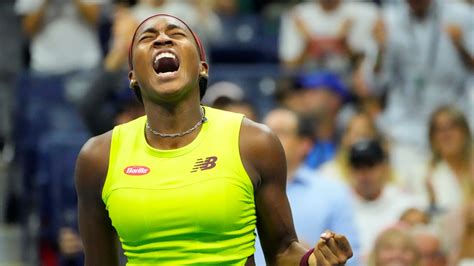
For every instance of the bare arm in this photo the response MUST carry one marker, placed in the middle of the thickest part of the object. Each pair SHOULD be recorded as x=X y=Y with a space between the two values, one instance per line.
x=264 y=160
x=91 y=12
x=455 y=33
x=32 y=22
x=98 y=235
x=379 y=33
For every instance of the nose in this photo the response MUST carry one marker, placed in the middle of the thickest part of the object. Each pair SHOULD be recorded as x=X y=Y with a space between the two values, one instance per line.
x=162 y=40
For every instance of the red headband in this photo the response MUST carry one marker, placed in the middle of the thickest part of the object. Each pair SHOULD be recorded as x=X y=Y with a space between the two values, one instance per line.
x=202 y=53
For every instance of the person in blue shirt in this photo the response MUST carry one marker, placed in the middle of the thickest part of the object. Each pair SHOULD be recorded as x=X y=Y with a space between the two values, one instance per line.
x=306 y=190
x=322 y=95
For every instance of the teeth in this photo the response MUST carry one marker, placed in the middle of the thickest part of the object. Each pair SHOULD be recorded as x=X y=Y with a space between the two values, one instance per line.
x=165 y=54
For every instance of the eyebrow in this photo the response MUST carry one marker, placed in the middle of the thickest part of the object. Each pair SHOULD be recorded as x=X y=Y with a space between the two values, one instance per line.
x=174 y=26
x=168 y=28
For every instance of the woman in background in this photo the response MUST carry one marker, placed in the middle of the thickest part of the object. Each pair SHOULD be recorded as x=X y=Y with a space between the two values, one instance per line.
x=395 y=246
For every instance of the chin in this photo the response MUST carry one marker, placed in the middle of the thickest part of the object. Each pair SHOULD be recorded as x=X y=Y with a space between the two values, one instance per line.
x=171 y=91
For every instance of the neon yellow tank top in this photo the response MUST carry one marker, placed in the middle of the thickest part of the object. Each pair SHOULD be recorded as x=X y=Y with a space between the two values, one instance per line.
x=191 y=205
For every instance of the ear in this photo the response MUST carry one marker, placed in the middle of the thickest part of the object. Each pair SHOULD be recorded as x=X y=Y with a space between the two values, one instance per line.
x=133 y=81
x=204 y=69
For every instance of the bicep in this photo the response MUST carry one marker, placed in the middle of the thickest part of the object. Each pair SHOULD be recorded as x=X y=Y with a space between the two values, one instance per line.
x=266 y=159
x=97 y=233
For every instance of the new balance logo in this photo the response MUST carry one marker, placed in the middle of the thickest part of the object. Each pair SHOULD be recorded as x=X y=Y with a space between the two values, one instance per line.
x=204 y=164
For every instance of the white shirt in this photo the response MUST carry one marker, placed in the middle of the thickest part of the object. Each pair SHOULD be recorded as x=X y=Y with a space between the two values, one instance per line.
x=447 y=188
x=323 y=24
x=65 y=41
x=422 y=69
x=372 y=217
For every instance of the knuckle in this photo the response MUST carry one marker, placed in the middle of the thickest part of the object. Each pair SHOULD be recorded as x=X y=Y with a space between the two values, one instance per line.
x=350 y=254
x=342 y=259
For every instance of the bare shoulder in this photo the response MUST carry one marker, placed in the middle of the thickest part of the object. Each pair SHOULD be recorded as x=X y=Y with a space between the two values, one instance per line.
x=261 y=151
x=256 y=133
x=92 y=162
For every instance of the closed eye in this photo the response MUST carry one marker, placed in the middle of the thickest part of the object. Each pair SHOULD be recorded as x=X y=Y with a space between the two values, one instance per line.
x=178 y=33
x=146 y=37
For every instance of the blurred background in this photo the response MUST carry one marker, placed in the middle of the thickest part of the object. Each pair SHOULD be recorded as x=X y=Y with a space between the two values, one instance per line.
x=373 y=102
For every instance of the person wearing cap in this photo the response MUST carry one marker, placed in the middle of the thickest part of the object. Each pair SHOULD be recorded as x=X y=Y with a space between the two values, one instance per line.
x=229 y=96
x=187 y=184
x=321 y=95
x=377 y=204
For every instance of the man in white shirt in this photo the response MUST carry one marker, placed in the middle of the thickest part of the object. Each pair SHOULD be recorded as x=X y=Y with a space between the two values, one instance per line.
x=424 y=59
x=378 y=205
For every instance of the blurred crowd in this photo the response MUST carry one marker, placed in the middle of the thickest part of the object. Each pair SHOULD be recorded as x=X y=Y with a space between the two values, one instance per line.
x=372 y=100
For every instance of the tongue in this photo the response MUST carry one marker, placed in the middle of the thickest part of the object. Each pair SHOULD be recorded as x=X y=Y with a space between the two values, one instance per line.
x=166 y=64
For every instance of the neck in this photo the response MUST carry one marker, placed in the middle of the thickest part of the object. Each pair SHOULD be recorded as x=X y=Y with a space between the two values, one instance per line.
x=369 y=197
x=457 y=162
x=172 y=119
x=422 y=14
x=328 y=8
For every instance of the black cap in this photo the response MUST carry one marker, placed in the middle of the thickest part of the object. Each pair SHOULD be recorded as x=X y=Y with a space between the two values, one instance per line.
x=366 y=153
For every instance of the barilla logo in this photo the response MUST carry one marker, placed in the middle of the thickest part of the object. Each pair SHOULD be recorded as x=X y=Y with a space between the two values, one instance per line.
x=204 y=164
x=136 y=170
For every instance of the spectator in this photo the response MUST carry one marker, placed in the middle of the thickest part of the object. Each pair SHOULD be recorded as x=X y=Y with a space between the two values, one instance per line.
x=448 y=177
x=359 y=127
x=414 y=216
x=325 y=34
x=109 y=101
x=65 y=50
x=321 y=95
x=452 y=149
x=230 y=97
x=304 y=185
x=364 y=99
x=378 y=205
x=429 y=243
x=424 y=50
x=395 y=246
x=58 y=31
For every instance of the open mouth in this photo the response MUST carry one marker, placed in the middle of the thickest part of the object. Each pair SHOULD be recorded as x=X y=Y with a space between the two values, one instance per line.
x=165 y=62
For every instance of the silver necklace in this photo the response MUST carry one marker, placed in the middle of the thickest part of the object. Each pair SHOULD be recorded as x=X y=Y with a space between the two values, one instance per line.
x=176 y=135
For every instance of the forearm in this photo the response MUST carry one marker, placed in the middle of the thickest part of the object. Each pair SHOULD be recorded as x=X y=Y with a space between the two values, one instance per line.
x=32 y=22
x=115 y=59
x=379 y=60
x=100 y=248
x=465 y=56
x=378 y=71
x=90 y=12
x=293 y=255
